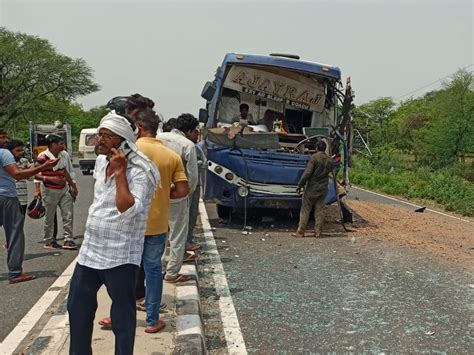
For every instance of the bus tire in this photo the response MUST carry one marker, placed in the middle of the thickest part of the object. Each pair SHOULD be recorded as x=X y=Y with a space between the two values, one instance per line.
x=223 y=211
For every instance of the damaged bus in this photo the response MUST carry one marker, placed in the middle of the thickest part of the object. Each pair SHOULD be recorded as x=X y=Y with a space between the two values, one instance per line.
x=256 y=158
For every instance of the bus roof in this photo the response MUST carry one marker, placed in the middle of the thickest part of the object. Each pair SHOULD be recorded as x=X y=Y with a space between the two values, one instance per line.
x=284 y=62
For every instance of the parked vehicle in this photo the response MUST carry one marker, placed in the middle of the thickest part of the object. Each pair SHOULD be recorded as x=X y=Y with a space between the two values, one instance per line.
x=87 y=153
x=293 y=103
x=38 y=133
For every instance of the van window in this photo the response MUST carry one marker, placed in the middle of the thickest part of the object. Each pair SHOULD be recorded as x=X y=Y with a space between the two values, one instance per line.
x=91 y=139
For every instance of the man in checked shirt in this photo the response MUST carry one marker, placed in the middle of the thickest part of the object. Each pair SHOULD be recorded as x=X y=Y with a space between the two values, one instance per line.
x=125 y=182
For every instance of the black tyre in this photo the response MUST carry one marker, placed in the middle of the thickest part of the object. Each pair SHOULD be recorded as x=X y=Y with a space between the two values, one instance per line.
x=224 y=211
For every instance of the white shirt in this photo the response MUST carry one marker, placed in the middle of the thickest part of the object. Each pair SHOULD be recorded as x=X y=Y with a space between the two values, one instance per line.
x=112 y=238
x=177 y=142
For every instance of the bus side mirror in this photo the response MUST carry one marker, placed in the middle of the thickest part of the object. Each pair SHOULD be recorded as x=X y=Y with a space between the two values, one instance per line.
x=208 y=91
x=203 y=115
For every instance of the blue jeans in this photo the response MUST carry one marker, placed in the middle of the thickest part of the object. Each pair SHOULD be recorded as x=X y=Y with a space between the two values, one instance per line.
x=152 y=253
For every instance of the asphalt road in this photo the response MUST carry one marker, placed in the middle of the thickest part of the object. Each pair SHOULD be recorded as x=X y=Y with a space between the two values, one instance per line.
x=46 y=265
x=334 y=294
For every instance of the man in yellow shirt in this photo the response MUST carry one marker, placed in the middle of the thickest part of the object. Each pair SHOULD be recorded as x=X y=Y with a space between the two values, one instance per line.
x=174 y=184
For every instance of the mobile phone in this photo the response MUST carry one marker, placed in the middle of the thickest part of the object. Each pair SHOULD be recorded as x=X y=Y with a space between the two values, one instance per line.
x=125 y=148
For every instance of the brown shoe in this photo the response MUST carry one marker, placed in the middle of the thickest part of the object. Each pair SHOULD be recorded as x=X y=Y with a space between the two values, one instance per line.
x=155 y=328
x=21 y=278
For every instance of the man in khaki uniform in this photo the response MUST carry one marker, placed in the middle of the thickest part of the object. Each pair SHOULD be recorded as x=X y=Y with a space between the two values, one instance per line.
x=315 y=182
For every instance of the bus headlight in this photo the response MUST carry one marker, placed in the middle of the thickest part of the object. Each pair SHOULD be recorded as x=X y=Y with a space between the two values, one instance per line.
x=243 y=191
x=218 y=169
x=229 y=176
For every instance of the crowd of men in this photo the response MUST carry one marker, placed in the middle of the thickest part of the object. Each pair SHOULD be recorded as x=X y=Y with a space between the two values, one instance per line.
x=146 y=196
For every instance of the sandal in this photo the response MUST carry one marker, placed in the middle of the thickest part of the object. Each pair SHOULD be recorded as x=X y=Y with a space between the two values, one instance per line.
x=178 y=278
x=189 y=257
x=106 y=322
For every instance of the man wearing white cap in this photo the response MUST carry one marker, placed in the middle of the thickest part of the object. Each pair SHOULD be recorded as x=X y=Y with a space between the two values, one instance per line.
x=125 y=181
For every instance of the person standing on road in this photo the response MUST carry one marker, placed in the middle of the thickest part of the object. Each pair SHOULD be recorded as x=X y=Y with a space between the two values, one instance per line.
x=125 y=182
x=179 y=208
x=17 y=148
x=174 y=184
x=193 y=136
x=55 y=194
x=315 y=182
x=11 y=217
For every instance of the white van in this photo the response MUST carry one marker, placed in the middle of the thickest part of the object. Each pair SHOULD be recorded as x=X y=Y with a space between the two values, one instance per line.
x=87 y=154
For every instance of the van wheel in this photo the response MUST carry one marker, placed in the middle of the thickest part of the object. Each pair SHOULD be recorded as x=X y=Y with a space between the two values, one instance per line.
x=224 y=211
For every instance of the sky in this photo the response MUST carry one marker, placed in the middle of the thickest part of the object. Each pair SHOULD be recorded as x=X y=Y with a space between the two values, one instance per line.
x=167 y=50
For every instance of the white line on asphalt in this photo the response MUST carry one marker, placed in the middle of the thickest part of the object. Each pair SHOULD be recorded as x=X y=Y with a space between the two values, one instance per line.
x=230 y=322
x=411 y=204
x=22 y=329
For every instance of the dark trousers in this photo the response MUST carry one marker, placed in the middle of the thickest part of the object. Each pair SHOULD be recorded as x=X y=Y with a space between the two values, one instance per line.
x=82 y=305
x=12 y=220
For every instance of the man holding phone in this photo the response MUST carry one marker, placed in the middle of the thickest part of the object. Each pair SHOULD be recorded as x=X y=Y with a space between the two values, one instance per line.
x=113 y=240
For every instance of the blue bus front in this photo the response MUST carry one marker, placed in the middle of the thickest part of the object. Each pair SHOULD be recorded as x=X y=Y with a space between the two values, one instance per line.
x=292 y=104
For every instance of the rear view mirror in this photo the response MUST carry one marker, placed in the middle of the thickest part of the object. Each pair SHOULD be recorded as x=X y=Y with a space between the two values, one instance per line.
x=203 y=115
x=208 y=91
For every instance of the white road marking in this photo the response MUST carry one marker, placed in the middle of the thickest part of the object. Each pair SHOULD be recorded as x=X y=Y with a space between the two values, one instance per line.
x=23 y=328
x=411 y=204
x=230 y=322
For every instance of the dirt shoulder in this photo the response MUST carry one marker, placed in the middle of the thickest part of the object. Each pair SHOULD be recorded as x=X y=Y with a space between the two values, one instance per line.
x=450 y=239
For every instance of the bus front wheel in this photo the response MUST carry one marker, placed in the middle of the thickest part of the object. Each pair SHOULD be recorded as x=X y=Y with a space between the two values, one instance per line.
x=224 y=211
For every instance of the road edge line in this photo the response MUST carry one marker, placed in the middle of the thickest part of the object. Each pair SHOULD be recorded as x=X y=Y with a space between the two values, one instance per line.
x=409 y=203
x=230 y=322
x=28 y=322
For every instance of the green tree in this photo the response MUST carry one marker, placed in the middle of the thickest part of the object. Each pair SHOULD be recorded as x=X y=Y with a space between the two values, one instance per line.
x=376 y=116
x=449 y=135
x=35 y=80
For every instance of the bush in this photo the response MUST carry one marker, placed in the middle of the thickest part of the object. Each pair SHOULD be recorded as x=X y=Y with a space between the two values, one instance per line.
x=393 y=176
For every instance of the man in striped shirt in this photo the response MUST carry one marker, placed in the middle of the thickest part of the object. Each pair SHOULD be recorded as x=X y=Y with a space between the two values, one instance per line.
x=56 y=194
x=125 y=182
x=17 y=148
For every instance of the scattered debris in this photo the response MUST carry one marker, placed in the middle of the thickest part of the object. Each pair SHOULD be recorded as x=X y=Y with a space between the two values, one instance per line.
x=263 y=239
x=245 y=232
x=430 y=333
x=353 y=240
x=272 y=226
x=224 y=241
x=249 y=228
x=421 y=209
x=213 y=228
x=410 y=273
x=236 y=256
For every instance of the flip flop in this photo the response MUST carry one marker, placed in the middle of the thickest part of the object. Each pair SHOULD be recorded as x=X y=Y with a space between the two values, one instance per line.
x=106 y=322
x=189 y=257
x=178 y=278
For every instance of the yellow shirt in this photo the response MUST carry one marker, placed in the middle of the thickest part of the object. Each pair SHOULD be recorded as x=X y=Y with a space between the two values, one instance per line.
x=171 y=171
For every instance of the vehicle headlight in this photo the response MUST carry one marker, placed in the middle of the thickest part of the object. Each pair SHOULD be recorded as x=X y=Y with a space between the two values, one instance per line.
x=218 y=169
x=229 y=176
x=243 y=191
